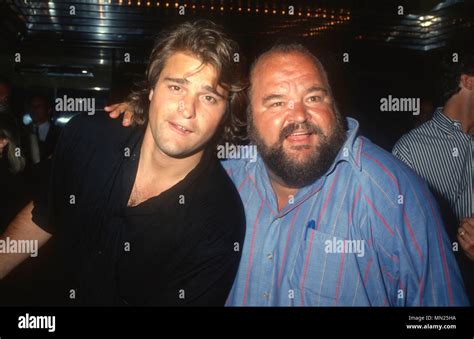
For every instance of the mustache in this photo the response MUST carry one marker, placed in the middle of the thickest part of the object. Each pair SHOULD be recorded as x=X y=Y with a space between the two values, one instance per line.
x=304 y=126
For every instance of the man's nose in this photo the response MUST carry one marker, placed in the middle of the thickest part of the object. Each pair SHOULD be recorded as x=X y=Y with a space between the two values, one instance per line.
x=296 y=112
x=186 y=106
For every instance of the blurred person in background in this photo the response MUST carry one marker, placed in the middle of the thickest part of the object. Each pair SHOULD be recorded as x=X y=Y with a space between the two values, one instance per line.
x=5 y=91
x=14 y=192
x=43 y=132
x=441 y=151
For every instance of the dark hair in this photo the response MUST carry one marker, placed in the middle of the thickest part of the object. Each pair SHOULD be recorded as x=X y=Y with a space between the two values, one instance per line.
x=451 y=73
x=208 y=42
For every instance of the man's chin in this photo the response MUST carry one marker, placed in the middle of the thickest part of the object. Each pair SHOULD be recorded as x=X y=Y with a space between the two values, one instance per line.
x=180 y=151
x=299 y=154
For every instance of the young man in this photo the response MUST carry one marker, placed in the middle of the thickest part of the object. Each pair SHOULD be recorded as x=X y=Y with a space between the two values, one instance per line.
x=147 y=215
x=441 y=151
x=332 y=219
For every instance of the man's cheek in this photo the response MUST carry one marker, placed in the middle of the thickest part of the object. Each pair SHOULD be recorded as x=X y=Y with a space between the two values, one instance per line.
x=273 y=129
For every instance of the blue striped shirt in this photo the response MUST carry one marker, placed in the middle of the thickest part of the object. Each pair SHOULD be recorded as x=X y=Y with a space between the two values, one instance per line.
x=441 y=153
x=367 y=233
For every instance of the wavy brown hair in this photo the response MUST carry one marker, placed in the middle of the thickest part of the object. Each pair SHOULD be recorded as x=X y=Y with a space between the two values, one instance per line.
x=208 y=42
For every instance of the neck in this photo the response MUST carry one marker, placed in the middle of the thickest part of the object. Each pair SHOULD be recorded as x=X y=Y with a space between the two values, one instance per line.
x=282 y=191
x=460 y=110
x=154 y=162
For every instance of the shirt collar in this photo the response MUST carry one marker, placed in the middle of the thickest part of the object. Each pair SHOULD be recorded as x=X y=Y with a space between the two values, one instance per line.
x=445 y=123
x=44 y=126
x=352 y=147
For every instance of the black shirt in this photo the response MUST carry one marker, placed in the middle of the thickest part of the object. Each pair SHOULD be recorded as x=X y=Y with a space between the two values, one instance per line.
x=177 y=248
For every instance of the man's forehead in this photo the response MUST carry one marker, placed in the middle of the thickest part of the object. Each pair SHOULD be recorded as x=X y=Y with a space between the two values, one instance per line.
x=280 y=67
x=187 y=65
x=186 y=68
x=280 y=80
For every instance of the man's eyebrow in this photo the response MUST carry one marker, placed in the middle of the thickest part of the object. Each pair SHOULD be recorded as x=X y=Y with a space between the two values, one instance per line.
x=213 y=91
x=183 y=81
x=316 y=89
x=271 y=97
x=180 y=81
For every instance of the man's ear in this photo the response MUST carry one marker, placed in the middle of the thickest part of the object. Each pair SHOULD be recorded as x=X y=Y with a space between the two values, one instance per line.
x=150 y=95
x=467 y=81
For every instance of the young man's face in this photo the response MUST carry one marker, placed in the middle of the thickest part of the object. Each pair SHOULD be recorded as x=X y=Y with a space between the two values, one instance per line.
x=186 y=106
x=293 y=121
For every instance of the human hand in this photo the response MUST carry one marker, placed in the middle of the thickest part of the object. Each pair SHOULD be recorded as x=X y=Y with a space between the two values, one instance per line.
x=115 y=110
x=466 y=236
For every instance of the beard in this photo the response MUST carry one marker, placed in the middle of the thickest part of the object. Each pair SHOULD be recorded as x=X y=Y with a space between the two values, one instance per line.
x=295 y=173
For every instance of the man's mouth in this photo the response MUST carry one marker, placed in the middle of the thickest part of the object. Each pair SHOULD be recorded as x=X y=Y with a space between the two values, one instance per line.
x=180 y=128
x=299 y=136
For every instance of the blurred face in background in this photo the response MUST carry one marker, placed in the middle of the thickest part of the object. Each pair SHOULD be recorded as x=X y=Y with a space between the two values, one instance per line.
x=40 y=110
x=3 y=144
x=4 y=93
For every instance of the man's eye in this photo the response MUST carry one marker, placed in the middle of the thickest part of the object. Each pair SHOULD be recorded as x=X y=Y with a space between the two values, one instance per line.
x=210 y=99
x=277 y=104
x=315 y=98
x=174 y=88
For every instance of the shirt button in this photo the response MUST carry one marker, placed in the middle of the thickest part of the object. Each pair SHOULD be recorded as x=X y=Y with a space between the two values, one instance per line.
x=270 y=256
x=265 y=295
x=99 y=252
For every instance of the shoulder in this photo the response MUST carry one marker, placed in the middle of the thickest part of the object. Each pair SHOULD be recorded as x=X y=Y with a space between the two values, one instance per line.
x=218 y=187
x=385 y=173
x=218 y=200
x=92 y=125
x=232 y=165
x=97 y=131
x=417 y=136
x=239 y=169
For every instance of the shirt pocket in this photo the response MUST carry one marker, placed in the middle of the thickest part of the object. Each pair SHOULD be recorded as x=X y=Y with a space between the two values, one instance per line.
x=315 y=273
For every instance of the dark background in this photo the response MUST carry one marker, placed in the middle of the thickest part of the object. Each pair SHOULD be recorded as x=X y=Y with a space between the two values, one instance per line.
x=389 y=53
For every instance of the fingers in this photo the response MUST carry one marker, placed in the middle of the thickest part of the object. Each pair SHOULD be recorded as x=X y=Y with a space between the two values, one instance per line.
x=468 y=247
x=127 y=118
x=466 y=239
x=116 y=110
x=468 y=224
x=113 y=110
x=464 y=232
